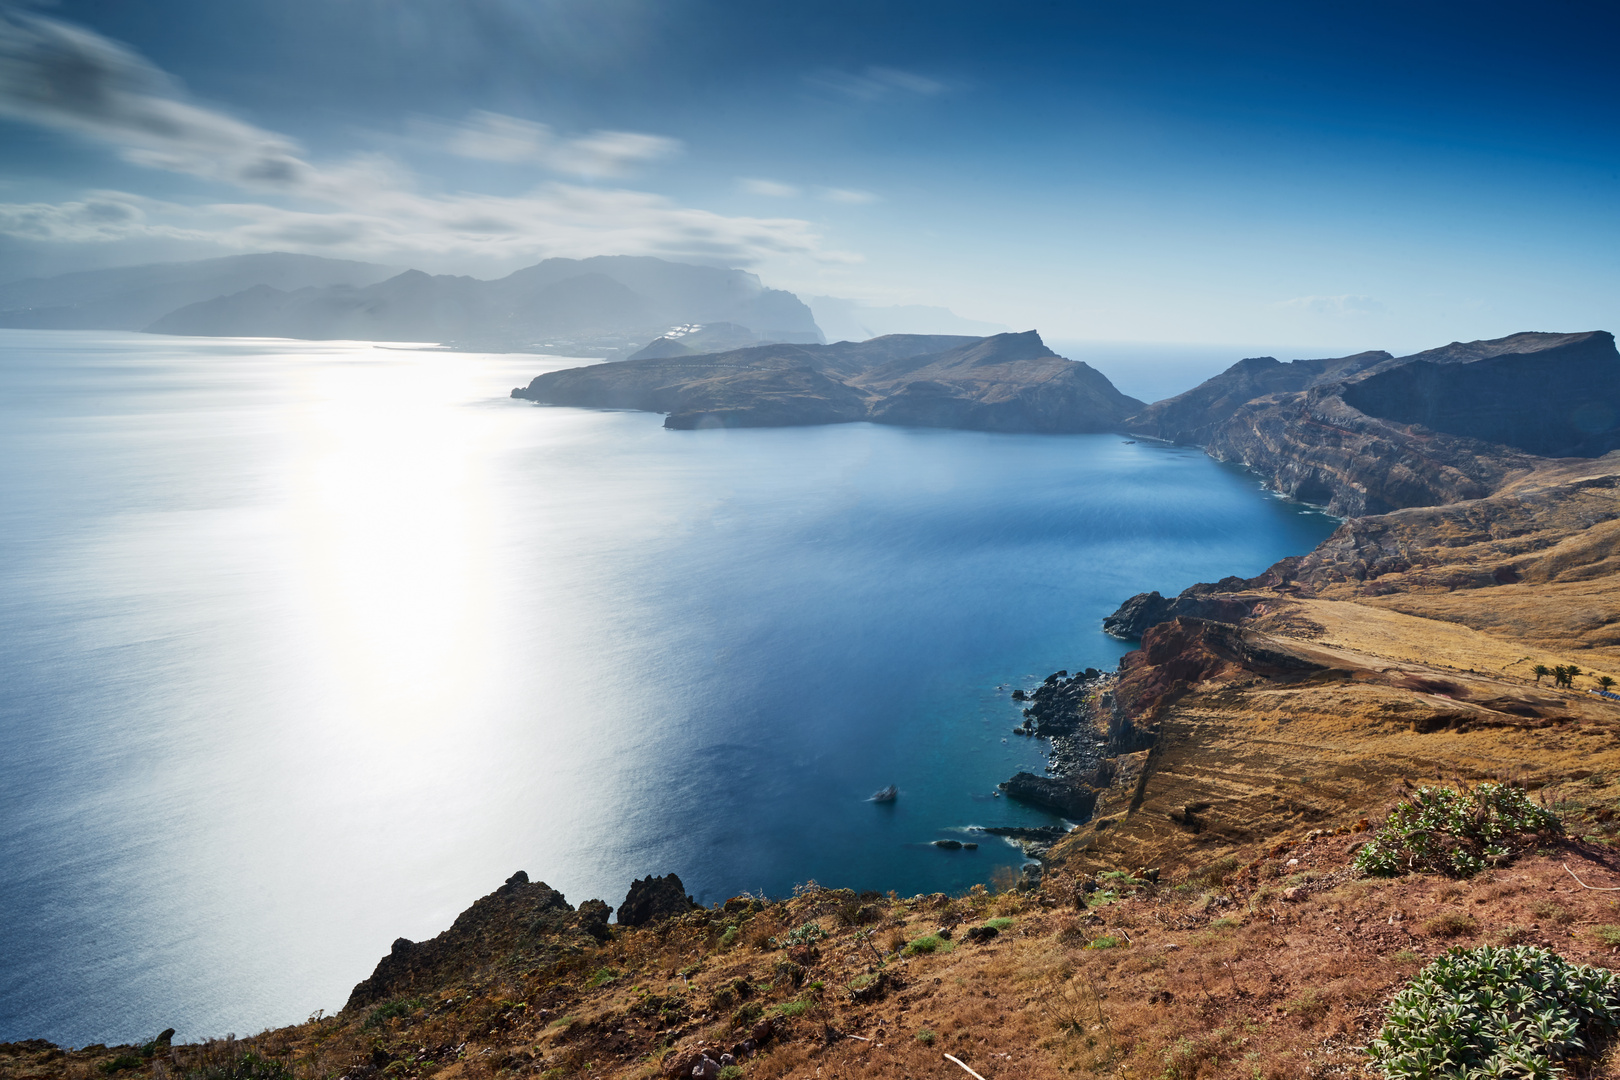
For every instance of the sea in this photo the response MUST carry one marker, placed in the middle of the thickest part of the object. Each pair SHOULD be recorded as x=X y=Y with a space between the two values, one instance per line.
x=305 y=646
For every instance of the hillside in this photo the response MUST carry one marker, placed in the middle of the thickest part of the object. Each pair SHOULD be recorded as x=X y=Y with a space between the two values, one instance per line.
x=1371 y=433
x=1009 y=382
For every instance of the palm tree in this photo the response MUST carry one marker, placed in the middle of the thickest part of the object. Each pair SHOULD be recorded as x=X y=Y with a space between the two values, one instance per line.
x=1569 y=676
x=1539 y=670
x=1605 y=683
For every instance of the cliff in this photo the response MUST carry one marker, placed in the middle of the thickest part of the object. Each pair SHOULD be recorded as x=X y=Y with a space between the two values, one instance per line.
x=1009 y=382
x=1371 y=433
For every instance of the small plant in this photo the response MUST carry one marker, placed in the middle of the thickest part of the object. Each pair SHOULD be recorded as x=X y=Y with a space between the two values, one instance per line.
x=808 y=934
x=1489 y=1011
x=601 y=977
x=731 y=1072
x=1107 y=941
x=791 y=1009
x=1452 y=924
x=999 y=923
x=729 y=938
x=1310 y=1006
x=926 y=1037
x=1457 y=833
x=1608 y=934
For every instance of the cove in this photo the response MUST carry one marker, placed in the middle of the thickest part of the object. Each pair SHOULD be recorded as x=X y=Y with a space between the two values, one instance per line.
x=304 y=646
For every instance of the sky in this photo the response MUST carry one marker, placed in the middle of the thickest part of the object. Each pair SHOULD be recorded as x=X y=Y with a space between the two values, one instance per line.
x=1376 y=175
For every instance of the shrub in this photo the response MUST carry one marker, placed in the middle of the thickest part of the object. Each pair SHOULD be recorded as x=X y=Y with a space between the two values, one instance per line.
x=729 y=938
x=731 y=1072
x=1490 y=1011
x=1000 y=923
x=925 y=1037
x=928 y=943
x=791 y=1009
x=808 y=934
x=1608 y=934
x=248 y=1066
x=1457 y=833
x=1107 y=941
x=390 y=1009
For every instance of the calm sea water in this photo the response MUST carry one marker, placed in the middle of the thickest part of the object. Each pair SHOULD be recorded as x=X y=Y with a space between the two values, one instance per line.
x=304 y=647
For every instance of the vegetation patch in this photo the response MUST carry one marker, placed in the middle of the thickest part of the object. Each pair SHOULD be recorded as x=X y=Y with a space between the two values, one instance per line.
x=1497 y=1011
x=389 y=1009
x=1458 y=833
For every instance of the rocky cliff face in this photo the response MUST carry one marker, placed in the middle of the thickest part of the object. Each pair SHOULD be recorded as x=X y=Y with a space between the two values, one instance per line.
x=1009 y=382
x=1371 y=433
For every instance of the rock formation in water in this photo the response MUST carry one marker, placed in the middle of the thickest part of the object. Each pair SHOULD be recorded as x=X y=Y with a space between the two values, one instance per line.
x=1371 y=433
x=1009 y=382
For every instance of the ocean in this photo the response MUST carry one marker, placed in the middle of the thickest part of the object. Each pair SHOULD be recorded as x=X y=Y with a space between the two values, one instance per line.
x=304 y=646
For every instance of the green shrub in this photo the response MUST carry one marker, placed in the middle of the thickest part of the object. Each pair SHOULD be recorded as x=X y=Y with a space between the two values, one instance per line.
x=925 y=1037
x=1608 y=934
x=729 y=938
x=390 y=1009
x=1453 y=832
x=999 y=923
x=791 y=1009
x=928 y=943
x=1489 y=1011
x=248 y=1066
x=1107 y=941
x=808 y=934
x=731 y=1072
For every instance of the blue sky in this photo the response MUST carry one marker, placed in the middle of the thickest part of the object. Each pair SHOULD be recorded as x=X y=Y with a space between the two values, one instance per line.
x=1368 y=175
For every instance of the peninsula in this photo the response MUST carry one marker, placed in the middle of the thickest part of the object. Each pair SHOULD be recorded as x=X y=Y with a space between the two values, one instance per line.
x=1007 y=382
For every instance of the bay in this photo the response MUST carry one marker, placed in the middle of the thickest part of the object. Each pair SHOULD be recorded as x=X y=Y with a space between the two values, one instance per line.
x=305 y=646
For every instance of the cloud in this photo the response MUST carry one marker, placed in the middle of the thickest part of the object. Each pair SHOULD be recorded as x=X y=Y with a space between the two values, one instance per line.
x=489 y=136
x=71 y=79
x=847 y=195
x=876 y=83
x=65 y=77
x=769 y=188
x=1334 y=305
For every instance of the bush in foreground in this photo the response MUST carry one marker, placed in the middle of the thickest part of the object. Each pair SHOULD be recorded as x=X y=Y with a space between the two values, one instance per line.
x=1489 y=1012
x=1458 y=833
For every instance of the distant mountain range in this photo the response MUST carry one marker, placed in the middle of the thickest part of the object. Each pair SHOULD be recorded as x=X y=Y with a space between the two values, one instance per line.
x=607 y=305
x=1008 y=382
x=133 y=297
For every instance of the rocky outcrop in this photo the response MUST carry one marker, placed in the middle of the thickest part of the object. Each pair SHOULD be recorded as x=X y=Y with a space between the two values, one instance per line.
x=520 y=920
x=653 y=898
x=1133 y=618
x=1066 y=798
x=1009 y=382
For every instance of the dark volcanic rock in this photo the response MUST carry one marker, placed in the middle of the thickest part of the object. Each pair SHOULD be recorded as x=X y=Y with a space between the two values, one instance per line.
x=1145 y=610
x=1064 y=797
x=519 y=917
x=651 y=899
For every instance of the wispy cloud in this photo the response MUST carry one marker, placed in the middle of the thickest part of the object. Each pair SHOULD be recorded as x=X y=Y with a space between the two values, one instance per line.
x=71 y=79
x=1334 y=305
x=876 y=83
x=769 y=188
x=490 y=136
x=846 y=195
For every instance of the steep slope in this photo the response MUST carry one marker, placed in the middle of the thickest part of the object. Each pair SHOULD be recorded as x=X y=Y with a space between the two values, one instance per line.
x=1372 y=433
x=130 y=298
x=1010 y=382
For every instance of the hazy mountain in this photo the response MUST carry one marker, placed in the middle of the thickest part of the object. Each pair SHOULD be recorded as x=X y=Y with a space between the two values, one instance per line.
x=851 y=320
x=1009 y=382
x=609 y=301
x=131 y=297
